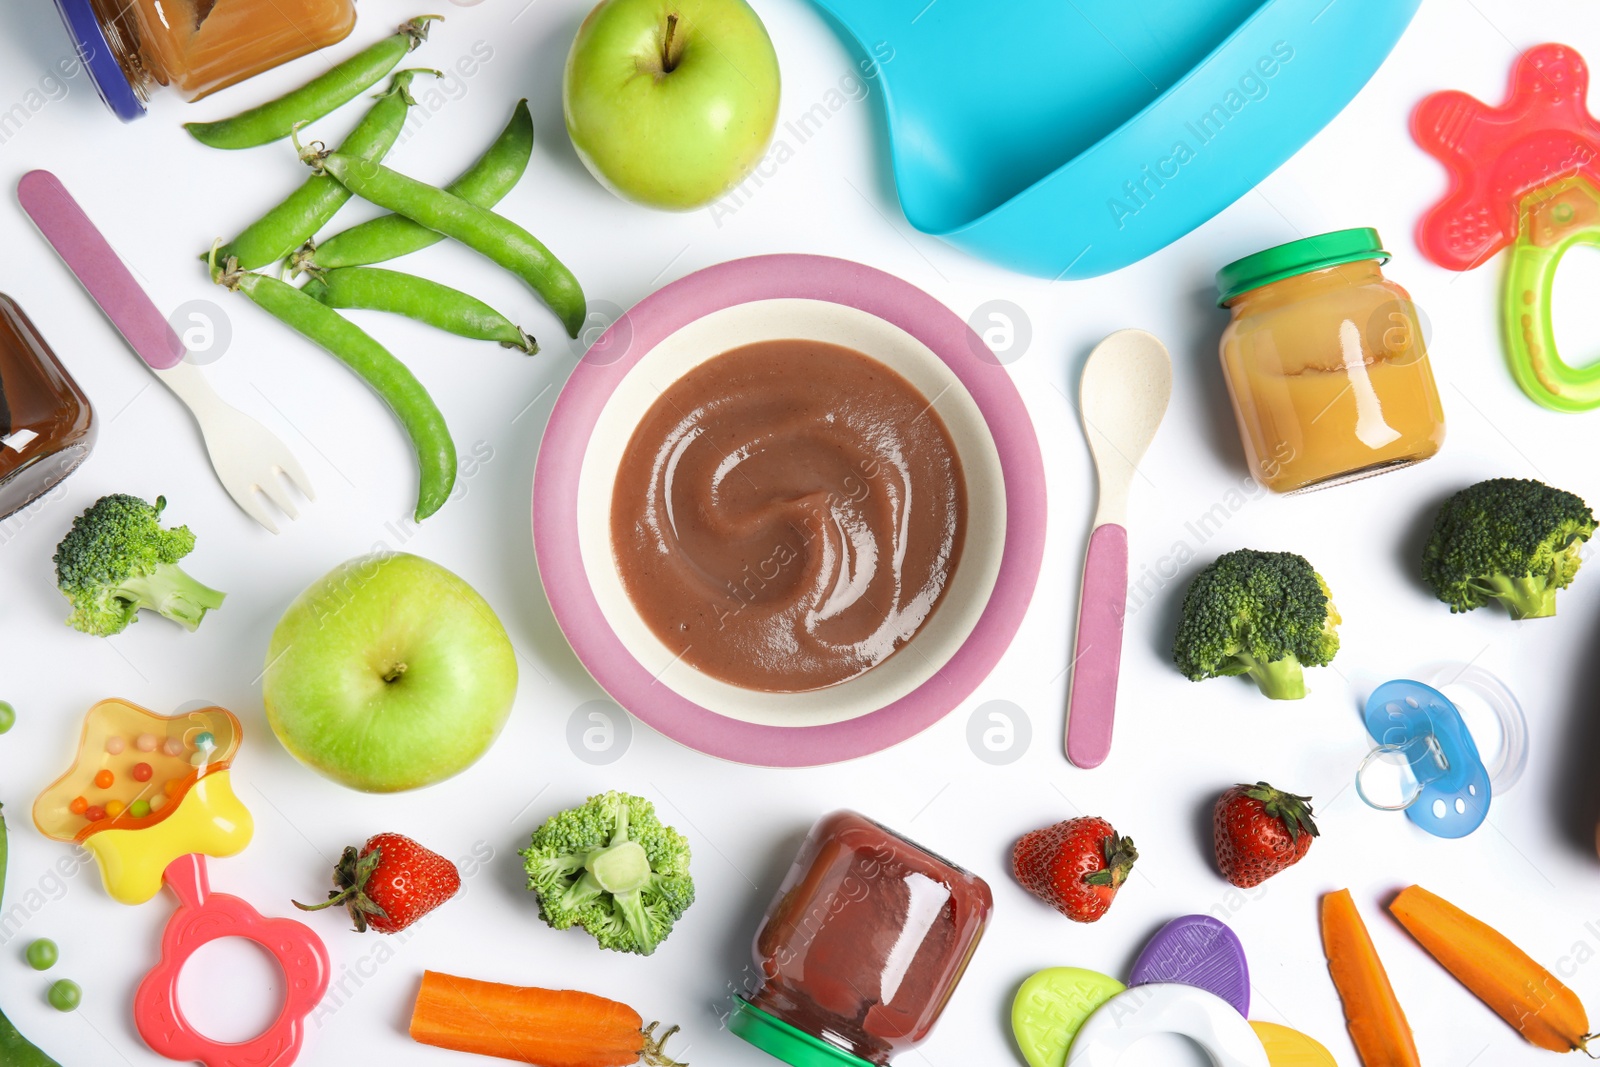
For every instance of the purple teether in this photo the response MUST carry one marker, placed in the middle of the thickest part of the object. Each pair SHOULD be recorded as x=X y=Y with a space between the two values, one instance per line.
x=1200 y=951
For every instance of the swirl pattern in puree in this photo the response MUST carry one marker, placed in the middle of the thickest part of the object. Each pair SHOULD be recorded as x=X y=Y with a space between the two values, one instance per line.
x=788 y=515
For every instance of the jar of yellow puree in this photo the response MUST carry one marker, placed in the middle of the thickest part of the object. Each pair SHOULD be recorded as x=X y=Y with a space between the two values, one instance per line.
x=1326 y=363
x=133 y=47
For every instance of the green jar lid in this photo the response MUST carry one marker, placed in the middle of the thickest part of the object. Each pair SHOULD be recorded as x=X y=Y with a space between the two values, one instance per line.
x=789 y=1044
x=1298 y=257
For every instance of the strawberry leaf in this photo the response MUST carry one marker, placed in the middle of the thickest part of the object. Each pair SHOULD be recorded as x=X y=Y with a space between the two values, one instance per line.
x=1293 y=811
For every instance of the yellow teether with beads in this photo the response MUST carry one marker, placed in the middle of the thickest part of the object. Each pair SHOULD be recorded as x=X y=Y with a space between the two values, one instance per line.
x=146 y=789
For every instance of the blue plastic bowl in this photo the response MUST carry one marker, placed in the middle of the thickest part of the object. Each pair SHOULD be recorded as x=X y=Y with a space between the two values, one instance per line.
x=1068 y=138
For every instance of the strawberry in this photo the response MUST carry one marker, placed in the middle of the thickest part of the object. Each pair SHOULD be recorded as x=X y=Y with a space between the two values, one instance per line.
x=390 y=883
x=1260 y=831
x=1075 y=866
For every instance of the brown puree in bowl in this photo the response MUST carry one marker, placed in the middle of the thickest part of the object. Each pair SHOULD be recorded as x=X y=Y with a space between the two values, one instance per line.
x=788 y=515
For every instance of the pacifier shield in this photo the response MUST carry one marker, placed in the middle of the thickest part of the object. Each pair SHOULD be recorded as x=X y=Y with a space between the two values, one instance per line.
x=1425 y=728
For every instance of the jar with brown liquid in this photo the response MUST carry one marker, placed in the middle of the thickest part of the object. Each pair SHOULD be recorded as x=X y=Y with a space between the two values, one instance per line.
x=46 y=424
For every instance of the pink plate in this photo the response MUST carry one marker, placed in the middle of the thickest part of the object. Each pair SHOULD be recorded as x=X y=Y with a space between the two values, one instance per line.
x=862 y=292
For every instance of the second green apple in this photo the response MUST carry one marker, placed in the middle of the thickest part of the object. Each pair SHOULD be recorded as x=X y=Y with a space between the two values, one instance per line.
x=389 y=673
x=671 y=103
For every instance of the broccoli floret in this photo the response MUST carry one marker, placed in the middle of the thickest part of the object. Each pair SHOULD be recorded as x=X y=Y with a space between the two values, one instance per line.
x=612 y=867
x=117 y=559
x=1265 y=614
x=1514 y=540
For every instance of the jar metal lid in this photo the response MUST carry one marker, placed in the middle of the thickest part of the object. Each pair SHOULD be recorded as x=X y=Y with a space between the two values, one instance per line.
x=1298 y=257
x=95 y=52
x=786 y=1042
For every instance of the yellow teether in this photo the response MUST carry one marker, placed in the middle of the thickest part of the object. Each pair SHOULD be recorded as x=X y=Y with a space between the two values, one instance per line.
x=146 y=789
x=1291 y=1048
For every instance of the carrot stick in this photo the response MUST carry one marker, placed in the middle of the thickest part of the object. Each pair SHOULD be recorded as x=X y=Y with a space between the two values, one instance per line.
x=544 y=1027
x=1521 y=992
x=1377 y=1024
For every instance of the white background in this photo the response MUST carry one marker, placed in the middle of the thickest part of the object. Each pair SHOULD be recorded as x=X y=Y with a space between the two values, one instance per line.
x=160 y=198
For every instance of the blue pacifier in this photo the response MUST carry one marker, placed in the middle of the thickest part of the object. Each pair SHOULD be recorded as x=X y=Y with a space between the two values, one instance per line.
x=1428 y=760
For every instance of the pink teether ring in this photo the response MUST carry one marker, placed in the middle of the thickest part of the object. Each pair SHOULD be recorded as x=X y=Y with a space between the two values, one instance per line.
x=202 y=917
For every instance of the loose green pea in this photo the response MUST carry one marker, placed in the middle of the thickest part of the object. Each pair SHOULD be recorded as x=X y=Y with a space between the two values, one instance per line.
x=43 y=954
x=8 y=716
x=66 y=995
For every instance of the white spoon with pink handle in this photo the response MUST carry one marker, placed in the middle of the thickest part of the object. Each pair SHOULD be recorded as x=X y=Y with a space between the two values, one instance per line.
x=1122 y=396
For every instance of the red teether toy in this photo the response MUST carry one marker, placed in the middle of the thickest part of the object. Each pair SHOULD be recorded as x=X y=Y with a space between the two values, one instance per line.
x=202 y=917
x=1524 y=174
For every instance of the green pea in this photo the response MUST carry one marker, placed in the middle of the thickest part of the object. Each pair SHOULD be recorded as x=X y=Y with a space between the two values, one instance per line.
x=8 y=717
x=306 y=210
x=492 y=236
x=372 y=363
x=485 y=183
x=276 y=119
x=444 y=308
x=65 y=995
x=43 y=954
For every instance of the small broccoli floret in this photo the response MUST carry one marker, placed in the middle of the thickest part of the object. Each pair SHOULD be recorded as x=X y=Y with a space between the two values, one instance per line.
x=117 y=559
x=1514 y=540
x=1265 y=614
x=612 y=867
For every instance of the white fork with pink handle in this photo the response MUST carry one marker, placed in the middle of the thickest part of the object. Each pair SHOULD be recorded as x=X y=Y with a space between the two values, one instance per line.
x=250 y=461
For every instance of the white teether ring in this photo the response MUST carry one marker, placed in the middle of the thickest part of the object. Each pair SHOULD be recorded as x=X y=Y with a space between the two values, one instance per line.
x=1166 y=1008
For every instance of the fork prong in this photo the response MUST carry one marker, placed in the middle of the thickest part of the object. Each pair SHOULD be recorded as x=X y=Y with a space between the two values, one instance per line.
x=252 y=506
x=274 y=489
x=297 y=475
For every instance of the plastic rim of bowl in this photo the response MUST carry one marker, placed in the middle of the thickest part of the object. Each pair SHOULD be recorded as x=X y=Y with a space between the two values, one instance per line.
x=566 y=440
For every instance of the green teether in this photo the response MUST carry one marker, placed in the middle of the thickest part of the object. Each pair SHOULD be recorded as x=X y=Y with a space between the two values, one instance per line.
x=1050 y=1007
x=1552 y=219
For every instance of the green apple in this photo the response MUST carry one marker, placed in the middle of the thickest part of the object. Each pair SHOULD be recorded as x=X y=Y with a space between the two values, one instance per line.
x=389 y=673
x=671 y=102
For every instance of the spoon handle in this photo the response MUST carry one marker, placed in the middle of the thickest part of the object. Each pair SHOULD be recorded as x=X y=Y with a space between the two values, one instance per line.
x=1092 y=686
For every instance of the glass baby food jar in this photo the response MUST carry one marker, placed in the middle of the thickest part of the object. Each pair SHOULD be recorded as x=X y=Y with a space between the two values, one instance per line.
x=1326 y=363
x=131 y=47
x=861 y=948
x=47 y=427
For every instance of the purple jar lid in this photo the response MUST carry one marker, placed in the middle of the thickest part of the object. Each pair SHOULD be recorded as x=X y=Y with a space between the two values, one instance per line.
x=95 y=52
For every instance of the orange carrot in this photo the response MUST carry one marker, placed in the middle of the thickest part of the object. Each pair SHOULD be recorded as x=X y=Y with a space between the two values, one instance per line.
x=544 y=1027
x=1521 y=992
x=1377 y=1025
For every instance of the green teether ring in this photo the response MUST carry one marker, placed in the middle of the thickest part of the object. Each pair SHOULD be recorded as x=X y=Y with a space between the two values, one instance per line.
x=1552 y=219
x=1050 y=1008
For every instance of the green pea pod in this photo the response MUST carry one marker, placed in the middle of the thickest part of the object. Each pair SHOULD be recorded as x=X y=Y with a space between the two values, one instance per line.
x=306 y=210
x=276 y=119
x=439 y=306
x=484 y=183
x=15 y=1050
x=490 y=235
x=372 y=363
